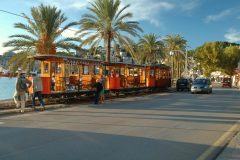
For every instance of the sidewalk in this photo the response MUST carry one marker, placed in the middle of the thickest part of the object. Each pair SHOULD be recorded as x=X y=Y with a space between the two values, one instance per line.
x=232 y=151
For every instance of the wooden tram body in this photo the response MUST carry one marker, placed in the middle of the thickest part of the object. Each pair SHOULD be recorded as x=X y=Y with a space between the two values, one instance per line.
x=72 y=76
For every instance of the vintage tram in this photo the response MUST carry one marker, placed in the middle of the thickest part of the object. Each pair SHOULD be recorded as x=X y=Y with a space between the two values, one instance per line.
x=67 y=76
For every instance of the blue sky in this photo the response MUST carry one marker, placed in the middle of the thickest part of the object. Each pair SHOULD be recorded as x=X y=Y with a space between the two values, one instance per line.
x=198 y=21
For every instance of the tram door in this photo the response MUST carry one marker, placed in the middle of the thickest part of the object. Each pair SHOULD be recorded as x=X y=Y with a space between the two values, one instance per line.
x=114 y=77
x=46 y=78
x=152 y=80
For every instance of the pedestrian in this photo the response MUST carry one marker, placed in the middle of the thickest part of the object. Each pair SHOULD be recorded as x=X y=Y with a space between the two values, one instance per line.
x=37 y=91
x=98 y=87
x=22 y=85
x=102 y=96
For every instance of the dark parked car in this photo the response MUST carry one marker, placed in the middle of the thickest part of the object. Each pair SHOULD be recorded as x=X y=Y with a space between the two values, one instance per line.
x=201 y=85
x=183 y=83
x=227 y=82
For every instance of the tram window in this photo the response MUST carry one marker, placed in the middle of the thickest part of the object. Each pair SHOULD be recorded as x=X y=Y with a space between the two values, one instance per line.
x=59 y=68
x=46 y=67
x=147 y=73
x=85 y=69
x=67 y=69
x=74 y=69
x=131 y=71
x=122 y=71
x=164 y=75
x=117 y=71
x=152 y=73
x=96 y=69
x=140 y=72
x=135 y=72
x=160 y=74
x=157 y=74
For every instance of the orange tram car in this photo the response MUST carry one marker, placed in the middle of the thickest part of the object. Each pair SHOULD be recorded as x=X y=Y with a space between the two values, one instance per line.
x=66 y=77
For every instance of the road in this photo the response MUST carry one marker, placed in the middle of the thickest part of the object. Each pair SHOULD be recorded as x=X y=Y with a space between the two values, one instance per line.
x=163 y=126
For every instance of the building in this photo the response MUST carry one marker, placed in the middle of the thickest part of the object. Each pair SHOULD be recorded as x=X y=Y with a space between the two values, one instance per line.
x=5 y=58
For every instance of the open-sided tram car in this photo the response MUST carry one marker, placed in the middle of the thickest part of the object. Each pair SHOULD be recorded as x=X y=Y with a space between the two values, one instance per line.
x=72 y=76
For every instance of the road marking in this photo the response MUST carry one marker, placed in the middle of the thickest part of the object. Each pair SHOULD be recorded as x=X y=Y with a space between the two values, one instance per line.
x=1 y=122
x=214 y=149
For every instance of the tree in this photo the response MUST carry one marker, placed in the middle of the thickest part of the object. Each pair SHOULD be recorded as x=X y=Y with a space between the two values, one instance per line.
x=209 y=56
x=230 y=59
x=214 y=56
x=175 y=43
x=133 y=50
x=107 y=22
x=151 y=47
x=44 y=32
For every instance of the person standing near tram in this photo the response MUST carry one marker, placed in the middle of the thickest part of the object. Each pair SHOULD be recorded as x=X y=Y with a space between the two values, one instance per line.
x=37 y=90
x=22 y=85
x=99 y=87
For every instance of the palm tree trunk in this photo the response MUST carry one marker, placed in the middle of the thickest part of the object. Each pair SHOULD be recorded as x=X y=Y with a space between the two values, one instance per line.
x=108 y=48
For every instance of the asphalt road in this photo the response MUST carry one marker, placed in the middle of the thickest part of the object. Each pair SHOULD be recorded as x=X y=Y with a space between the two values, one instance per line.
x=163 y=126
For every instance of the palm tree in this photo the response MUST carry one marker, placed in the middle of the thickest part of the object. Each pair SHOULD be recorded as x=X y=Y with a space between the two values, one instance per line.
x=151 y=47
x=177 y=43
x=44 y=32
x=106 y=22
x=132 y=49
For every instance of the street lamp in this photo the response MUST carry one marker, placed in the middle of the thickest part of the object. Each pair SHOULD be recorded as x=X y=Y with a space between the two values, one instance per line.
x=171 y=54
x=198 y=71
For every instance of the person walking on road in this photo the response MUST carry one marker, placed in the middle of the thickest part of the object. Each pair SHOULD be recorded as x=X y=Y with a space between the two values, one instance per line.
x=37 y=91
x=22 y=85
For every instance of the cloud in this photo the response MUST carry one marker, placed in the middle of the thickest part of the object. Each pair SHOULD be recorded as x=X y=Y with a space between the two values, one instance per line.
x=219 y=16
x=149 y=13
x=3 y=49
x=232 y=35
x=71 y=32
x=152 y=10
x=189 y=5
x=62 y=4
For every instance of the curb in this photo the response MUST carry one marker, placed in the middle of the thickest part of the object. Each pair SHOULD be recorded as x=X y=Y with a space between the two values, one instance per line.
x=27 y=109
x=232 y=151
x=216 y=148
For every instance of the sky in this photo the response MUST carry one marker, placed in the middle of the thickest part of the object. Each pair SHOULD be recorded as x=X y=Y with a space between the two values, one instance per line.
x=197 y=21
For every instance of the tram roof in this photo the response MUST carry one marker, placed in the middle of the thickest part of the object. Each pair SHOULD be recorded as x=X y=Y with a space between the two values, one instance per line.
x=124 y=64
x=71 y=59
x=160 y=65
x=64 y=58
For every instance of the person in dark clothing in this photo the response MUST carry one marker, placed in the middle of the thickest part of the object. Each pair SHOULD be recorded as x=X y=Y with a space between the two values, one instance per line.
x=98 y=87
